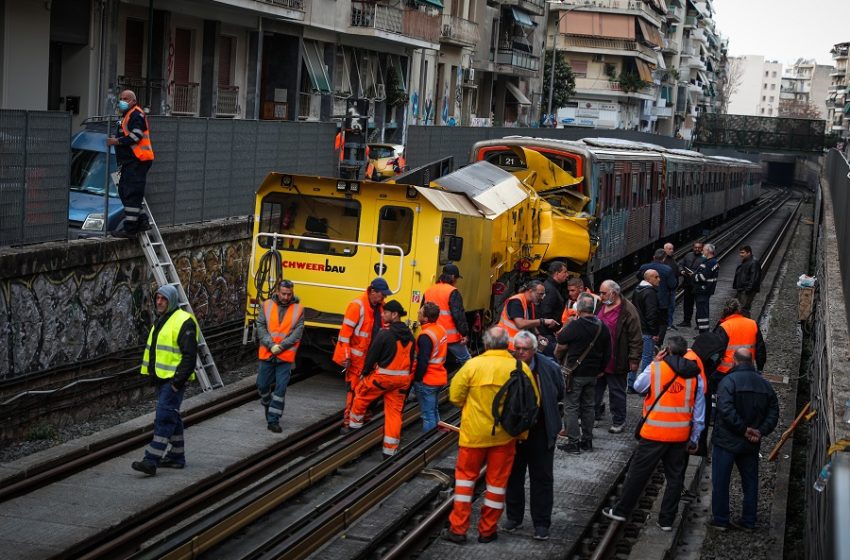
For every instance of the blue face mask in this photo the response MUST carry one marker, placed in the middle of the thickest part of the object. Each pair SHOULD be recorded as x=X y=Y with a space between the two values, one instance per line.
x=123 y=106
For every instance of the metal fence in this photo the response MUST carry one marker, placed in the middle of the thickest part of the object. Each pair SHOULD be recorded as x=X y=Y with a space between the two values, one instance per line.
x=207 y=169
x=428 y=143
x=34 y=170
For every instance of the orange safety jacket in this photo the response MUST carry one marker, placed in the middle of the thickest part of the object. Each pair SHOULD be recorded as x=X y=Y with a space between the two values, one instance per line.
x=280 y=329
x=339 y=145
x=507 y=323
x=439 y=294
x=143 y=149
x=400 y=364
x=691 y=355
x=743 y=333
x=355 y=334
x=436 y=374
x=569 y=309
x=670 y=420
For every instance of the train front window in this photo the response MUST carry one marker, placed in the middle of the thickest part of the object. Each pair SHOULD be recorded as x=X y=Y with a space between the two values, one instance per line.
x=327 y=222
x=395 y=227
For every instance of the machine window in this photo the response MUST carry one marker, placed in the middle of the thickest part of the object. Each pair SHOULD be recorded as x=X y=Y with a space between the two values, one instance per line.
x=395 y=227
x=328 y=220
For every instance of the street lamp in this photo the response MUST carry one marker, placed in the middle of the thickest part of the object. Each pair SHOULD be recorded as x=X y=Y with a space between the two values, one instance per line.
x=554 y=52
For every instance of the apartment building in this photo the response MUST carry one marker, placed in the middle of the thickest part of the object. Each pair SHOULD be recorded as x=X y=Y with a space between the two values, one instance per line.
x=838 y=93
x=759 y=88
x=804 y=90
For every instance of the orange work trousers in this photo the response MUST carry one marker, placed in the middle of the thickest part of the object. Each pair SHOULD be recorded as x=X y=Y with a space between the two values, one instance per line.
x=394 y=390
x=499 y=460
x=352 y=378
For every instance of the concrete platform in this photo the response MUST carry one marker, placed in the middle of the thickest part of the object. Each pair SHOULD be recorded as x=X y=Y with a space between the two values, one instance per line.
x=57 y=517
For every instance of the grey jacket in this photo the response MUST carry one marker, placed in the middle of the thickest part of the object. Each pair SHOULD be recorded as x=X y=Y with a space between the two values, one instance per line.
x=263 y=330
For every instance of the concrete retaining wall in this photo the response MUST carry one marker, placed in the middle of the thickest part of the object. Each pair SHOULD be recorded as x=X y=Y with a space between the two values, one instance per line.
x=62 y=303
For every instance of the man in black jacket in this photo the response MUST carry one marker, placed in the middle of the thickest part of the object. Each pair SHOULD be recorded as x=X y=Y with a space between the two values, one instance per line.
x=705 y=282
x=666 y=288
x=645 y=299
x=747 y=411
x=552 y=304
x=687 y=268
x=747 y=280
x=573 y=341
x=537 y=453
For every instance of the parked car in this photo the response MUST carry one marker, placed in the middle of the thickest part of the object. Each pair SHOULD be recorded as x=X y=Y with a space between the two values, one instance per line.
x=88 y=177
x=385 y=159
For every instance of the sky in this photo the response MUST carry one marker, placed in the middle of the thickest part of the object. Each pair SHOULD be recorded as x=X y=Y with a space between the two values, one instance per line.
x=784 y=30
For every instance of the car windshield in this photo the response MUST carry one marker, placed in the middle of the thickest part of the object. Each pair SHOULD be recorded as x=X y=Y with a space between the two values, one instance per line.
x=378 y=152
x=87 y=172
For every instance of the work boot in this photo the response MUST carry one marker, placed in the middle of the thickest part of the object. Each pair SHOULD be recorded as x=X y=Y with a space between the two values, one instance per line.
x=125 y=233
x=275 y=428
x=171 y=464
x=453 y=537
x=144 y=466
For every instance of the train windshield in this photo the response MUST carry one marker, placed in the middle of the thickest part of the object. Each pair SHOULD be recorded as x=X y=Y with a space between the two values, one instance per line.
x=328 y=222
x=508 y=159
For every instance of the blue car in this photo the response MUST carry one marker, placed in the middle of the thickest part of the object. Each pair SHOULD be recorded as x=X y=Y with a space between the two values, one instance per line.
x=88 y=175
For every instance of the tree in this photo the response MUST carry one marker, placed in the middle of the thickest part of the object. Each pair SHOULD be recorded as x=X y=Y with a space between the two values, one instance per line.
x=565 y=82
x=729 y=79
x=795 y=109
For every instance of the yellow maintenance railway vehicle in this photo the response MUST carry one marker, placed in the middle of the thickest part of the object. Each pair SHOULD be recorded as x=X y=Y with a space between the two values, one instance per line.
x=331 y=237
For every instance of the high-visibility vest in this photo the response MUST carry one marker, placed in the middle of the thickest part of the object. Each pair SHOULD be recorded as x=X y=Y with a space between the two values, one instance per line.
x=400 y=364
x=691 y=355
x=168 y=355
x=280 y=329
x=439 y=294
x=436 y=373
x=570 y=310
x=355 y=334
x=507 y=323
x=670 y=420
x=743 y=333
x=143 y=149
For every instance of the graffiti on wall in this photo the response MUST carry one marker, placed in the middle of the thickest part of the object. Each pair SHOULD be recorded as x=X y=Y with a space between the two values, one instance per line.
x=52 y=319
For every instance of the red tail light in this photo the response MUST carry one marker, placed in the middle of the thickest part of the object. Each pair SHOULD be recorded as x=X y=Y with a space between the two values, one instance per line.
x=499 y=289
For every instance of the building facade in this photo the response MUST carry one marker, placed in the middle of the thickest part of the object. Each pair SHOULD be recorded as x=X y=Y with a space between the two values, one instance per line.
x=838 y=94
x=804 y=90
x=759 y=86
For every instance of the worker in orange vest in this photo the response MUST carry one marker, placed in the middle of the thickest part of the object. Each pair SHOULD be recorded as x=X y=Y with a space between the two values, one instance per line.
x=452 y=313
x=360 y=324
x=575 y=287
x=279 y=328
x=674 y=415
x=739 y=331
x=387 y=374
x=339 y=144
x=134 y=154
x=429 y=374
x=520 y=313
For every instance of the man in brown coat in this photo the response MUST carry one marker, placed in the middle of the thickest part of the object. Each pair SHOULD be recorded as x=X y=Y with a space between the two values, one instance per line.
x=623 y=322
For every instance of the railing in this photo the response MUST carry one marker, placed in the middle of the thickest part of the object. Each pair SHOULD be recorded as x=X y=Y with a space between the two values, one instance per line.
x=699 y=35
x=608 y=44
x=618 y=5
x=670 y=45
x=599 y=84
x=228 y=101
x=458 y=30
x=506 y=54
x=690 y=21
x=184 y=99
x=410 y=23
x=536 y=7
x=139 y=86
x=291 y=4
x=422 y=25
x=662 y=111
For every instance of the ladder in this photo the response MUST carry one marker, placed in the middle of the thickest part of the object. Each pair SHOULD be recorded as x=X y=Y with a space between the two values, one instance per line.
x=163 y=270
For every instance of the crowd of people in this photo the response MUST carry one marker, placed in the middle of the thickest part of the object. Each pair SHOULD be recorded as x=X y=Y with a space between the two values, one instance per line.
x=570 y=343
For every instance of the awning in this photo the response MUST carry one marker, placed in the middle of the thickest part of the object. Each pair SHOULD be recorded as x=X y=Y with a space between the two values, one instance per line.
x=847 y=109
x=435 y=3
x=314 y=61
x=518 y=95
x=523 y=18
x=643 y=70
x=703 y=77
x=661 y=65
x=650 y=34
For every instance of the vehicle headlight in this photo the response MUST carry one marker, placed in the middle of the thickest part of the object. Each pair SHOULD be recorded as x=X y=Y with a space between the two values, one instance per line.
x=94 y=222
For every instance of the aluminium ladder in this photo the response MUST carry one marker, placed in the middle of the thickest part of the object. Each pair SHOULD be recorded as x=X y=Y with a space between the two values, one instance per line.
x=163 y=270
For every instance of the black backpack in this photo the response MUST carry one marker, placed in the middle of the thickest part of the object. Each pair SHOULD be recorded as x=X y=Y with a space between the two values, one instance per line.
x=518 y=403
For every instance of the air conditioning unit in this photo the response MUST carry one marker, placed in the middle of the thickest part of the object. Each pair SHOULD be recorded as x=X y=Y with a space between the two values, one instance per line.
x=469 y=75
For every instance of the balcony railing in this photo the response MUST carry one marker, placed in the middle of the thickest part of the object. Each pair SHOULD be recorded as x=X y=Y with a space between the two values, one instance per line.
x=598 y=84
x=459 y=31
x=291 y=4
x=514 y=54
x=690 y=21
x=407 y=22
x=662 y=111
x=228 y=101
x=140 y=88
x=534 y=7
x=184 y=99
x=636 y=6
x=670 y=45
x=581 y=42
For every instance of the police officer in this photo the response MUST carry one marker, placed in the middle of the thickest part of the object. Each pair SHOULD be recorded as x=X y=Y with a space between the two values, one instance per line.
x=170 y=355
x=387 y=374
x=705 y=282
x=360 y=324
x=279 y=328
x=134 y=153
x=452 y=313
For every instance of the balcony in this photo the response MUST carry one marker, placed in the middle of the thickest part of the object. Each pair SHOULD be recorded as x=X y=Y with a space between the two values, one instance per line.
x=674 y=15
x=517 y=55
x=699 y=35
x=600 y=85
x=184 y=98
x=670 y=46
x=637 y=7
x=620 y=47
x=140 y=88
x=228 y=101
x=534 y=7
x=691 y=21
x=289 y=4
x=458 y=31
x=840 y=53
x=404 y=22
x=662 y=112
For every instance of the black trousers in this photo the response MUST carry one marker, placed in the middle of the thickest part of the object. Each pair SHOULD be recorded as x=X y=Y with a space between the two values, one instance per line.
x=535 y=456
x=131 y=189
x=688 y=304
x=702 y=313
x=674 y=457
x=746 y=299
